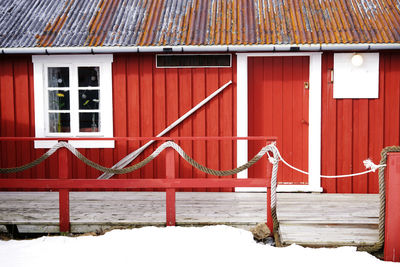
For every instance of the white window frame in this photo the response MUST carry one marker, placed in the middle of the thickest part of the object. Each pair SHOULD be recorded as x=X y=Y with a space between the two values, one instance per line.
x=40 y=65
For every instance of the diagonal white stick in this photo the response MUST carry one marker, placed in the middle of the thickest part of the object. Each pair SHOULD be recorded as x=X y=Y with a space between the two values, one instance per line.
x=132 y=156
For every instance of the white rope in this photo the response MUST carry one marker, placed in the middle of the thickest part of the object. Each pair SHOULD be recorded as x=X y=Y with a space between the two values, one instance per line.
x=370 y=165
x=367 y=163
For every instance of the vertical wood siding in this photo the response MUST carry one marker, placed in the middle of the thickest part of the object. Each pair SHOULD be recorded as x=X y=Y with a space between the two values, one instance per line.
x=357 y=129
x=145 y=101
x=16 y=112
x=278 y=106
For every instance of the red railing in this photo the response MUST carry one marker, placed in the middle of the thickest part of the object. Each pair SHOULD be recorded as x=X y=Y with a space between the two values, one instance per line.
x=170 y=183
x=392 y=221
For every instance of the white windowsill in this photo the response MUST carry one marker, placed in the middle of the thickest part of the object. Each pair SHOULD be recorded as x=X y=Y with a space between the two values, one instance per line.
x=77 y=143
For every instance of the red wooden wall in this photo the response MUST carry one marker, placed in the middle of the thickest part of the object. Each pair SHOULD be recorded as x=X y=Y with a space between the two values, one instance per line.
x=145 y=101
x=356 y=129
x=148 y=99
x=17 y=114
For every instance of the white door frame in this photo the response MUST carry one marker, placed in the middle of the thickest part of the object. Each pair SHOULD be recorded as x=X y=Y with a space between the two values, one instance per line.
x=314 y=130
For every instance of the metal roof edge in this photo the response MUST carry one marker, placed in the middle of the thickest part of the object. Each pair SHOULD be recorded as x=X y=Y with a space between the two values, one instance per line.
x=201 y=48
x=360 y=47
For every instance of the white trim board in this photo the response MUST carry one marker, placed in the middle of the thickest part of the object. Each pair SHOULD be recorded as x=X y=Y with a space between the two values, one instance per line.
x=314 y=130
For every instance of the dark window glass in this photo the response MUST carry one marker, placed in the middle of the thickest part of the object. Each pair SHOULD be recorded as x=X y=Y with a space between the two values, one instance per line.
x=89 y=99
x=89 y=122
x=193 y=60
x=88 y=76
x=58 y=77
x=59 y=122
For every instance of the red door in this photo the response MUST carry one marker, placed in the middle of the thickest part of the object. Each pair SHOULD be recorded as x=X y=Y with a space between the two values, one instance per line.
x=278 y=106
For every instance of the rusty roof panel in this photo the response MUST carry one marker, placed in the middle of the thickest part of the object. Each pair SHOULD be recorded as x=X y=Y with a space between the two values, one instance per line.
x=71 y=23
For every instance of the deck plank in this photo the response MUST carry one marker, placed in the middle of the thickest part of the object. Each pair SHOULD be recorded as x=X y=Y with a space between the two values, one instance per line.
x=328 y=235
x=328 y=219
x=90 y=211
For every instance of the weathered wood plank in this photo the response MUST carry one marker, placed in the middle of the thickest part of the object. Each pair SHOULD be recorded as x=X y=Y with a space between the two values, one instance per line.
x=329 y=208
x=306 y=197
x=98 y=211
x=38 y=228
x=328 y=219
x=325 y=234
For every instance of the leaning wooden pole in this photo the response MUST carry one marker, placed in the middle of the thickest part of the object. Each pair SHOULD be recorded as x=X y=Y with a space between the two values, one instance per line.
x=132 y=156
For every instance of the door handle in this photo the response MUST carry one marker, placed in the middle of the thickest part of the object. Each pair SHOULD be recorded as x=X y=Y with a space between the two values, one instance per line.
x=304 y=122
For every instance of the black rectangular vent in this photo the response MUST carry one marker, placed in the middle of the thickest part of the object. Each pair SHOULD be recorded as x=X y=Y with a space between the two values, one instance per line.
x=193 y=61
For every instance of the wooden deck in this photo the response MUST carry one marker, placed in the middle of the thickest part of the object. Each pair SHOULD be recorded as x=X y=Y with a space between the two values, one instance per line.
x=308 y=219
x=96 y=211
x=328 y=219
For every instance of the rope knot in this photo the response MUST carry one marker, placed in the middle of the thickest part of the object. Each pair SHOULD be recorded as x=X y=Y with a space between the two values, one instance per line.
x=370 y=165
x=272 y=160
x=272 y=148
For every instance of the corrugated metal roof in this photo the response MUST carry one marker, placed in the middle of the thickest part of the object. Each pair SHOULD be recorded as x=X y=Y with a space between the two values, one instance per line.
x=71 y=23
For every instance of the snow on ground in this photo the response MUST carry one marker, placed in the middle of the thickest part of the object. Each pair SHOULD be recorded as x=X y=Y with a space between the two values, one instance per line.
x=173 y=246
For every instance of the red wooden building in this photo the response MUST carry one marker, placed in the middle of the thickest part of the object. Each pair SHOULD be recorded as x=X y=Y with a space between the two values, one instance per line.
x=321 y=76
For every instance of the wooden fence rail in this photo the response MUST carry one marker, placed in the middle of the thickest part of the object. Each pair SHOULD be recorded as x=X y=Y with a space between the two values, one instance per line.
x=170 y=183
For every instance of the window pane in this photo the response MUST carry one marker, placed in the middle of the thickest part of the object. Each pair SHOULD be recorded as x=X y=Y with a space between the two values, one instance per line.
x=59 y=100
x=88 y=76
x=58 y=77
x=89 y=122
x=89 y=99
x=59 y=122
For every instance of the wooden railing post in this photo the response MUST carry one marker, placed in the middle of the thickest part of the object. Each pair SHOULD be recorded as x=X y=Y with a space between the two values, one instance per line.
x=392 y=216
x=63 y=173
x=170 y=192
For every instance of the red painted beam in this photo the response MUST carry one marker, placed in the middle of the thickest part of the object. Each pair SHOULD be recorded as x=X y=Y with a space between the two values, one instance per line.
x=56 y=184
x=63 y=172
x=392 y=221
x=169 y=138
x=170 y=192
